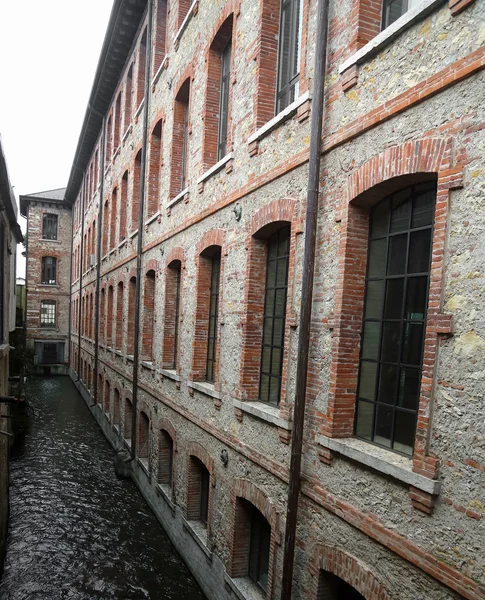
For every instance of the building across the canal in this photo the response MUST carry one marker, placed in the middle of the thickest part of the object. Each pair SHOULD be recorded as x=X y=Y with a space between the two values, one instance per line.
x=49 y=235
x=193 y=159
x=10 y=236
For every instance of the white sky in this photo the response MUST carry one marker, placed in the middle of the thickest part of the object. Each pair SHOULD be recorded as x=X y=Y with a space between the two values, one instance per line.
x=49 y=51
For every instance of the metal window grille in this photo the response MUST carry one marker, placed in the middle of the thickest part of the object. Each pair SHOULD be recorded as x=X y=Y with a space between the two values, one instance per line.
x=396 y=299
x=185 y=142
x=49 y=227
x=259 y=545
x=213 y=314
x=49 y=264
x=274 y=316
x=177 y=316
x=288 y=54
x=48 y=313
x=224 y=101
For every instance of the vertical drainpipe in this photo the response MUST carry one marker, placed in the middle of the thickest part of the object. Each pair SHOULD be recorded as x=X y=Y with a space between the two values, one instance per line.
x=306 y=297
x=136 y=345
x=83 y=194
x=70 y=290
x=98 y=263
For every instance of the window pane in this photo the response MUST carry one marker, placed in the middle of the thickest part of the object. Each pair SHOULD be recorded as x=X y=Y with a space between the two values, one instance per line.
x=370 y=345
x=365 y=414
x=413 y=344
x=409 y=388
x=390 y=342
x=417 y=298
x=401 y=211
x=404 y=432
x=383 y=431
x=380 y=219
x=394 y=299
x=367 y=384
x=419 y=251
x=388 y=384
x=423 y=210
x=374 y=299
x=397 y=254
x=280 y=304
x=377 y=258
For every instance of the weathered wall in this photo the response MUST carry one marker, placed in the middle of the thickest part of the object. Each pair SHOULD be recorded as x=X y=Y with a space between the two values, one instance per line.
x=424 y=85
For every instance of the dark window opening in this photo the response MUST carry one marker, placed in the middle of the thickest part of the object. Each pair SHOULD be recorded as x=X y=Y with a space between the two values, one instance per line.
x=259 y=546
x=288 y=54
x=49 y=227
x=165 y=459
x=204 y=494
x=274 y=316
x=213 y=317
x=49 y=267
x=396 y=300
x=331 y=587
x=224 y=101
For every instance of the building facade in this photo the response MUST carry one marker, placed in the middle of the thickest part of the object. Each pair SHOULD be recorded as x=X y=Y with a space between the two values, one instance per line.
x=49 y=235
x=10 y=236
x=189 y=194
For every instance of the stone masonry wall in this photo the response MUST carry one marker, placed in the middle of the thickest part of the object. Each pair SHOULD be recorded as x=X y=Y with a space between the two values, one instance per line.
x=412 y=110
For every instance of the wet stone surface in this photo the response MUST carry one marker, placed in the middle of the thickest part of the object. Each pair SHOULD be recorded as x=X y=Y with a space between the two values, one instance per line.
x=76 y=531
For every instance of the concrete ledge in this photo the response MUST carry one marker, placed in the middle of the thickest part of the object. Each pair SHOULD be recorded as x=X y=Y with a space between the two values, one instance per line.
x=165 y=496
x=140 y=108
x=177 y=198
x=188 y=528
x=265 y=412
x=217 y=167
x=243 y=588
x=389 y=34
x=280 y=118
x=186 y=21
x=160 y=70
x=171 y=374
x=382 y=460
x=152 y=218
x=204 y=388
x=143 y=464
x=148 y=365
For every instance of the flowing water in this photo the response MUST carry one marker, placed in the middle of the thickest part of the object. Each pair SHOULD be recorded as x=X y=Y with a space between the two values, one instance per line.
x=76 y=531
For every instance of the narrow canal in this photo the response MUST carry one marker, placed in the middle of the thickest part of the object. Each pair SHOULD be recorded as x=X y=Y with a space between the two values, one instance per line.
x=76 y=531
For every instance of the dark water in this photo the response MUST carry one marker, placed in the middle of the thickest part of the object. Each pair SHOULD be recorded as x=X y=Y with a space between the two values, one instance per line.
x=76 y=531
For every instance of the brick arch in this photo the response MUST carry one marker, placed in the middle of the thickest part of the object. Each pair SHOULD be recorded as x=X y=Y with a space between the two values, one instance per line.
x=195 y=449
x=143 y=406
x=231 y=7
x=131 y=273
x=214 y=237
x=188 y=73
x=398 y=165
x=167 y=426
x=121 y=279
x=152 y=265
x=176 y=253
x=160 y=116
x=349 y=568
x=278 y=210
x=243 y=488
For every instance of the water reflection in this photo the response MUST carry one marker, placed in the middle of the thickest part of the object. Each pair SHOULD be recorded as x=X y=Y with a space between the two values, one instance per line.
x=76 y=531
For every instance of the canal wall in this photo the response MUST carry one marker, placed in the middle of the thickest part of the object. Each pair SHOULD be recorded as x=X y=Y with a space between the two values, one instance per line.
x=3 y=496
x=205 y=566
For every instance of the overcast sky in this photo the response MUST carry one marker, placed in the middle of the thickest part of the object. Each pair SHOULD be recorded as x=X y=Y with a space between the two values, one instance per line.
x=49 y=52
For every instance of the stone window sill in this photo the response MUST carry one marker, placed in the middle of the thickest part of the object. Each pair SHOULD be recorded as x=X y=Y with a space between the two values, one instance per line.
x=127 y=133
x=152 y=219
x=381 y=460
x=133 y=234
x=118 y=352
x=204 y=388
x=160 y=70
x=143 y=463
x=140 y=108
x=216 y=168
x=279 y=119
x=243 y=588
x=130 y=357
x=177 y=198
x=148 y=365
x=49 y=240
x=389 y=34
x=165 y=492
x=265 y=412
x=198 y=532
x=127 y=443
x=191 y=12
x=122 y=243
x=49 y=285
x=170 y=373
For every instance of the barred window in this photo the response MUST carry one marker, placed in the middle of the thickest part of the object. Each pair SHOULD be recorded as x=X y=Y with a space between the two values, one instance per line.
x=392 y=10
x=213 y=317
x=274 y=316
x=48 y=313
x=49 y=226
x=288 y=54
x=396 y=299
x=49 y=270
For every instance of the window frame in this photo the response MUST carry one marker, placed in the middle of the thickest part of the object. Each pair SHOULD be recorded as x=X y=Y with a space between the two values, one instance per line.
x=49 y=217
x=287 y=84
x=52 y=324
x=45 y=271
x=225 y=88
x=213 y=316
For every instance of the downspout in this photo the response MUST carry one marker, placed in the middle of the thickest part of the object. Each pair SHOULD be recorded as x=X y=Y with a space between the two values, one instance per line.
x=98 y=264
x=306 y=297
x=141 y=209
x=70 y=290
x=81 y=280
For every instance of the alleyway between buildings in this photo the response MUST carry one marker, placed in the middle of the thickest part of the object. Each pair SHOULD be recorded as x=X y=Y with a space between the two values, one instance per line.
x=76 y=531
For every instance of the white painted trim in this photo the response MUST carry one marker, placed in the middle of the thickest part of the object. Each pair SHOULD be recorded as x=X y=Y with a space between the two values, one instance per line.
x=185 y=22
x=389 y=463
x=204 y=388
x=127 y=133
x=265 y=412
x=281 y=117
x=152 y=218
x=217 y=167
x=156 y=77
x=140 y=108
x=133 y=233
x=389 y=34
x=177 y=198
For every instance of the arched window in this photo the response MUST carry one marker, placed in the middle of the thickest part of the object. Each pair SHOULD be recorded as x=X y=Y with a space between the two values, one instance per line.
x=113 y=217
x=49 y=270
x=107 y=396
x=109 y=324
x=135 y=200
x=198 y=491
x=143 y=435
x=123 y=205
x=142 y=59
x=119 y=316
x=106 y=227
x=180 y=140
x=165 y=458
x=154 y=170
x=102 y=316
x=116 y=408
x=396 y=300
x=332 y=587
x=172 y=315
x=161 y=32
x=131 y=317
x=148 y=316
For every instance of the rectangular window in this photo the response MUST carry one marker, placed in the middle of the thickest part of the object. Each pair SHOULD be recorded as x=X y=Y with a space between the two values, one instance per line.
x=49 y=264
x=177 y=316
x=224 y=102
x=288 y=54
x=213 y=314
x=396 y=300
x=185 y=141
x=392 y=10
x=259 y=549
x=49 y=227
x=274 y=316
x=48 y=313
